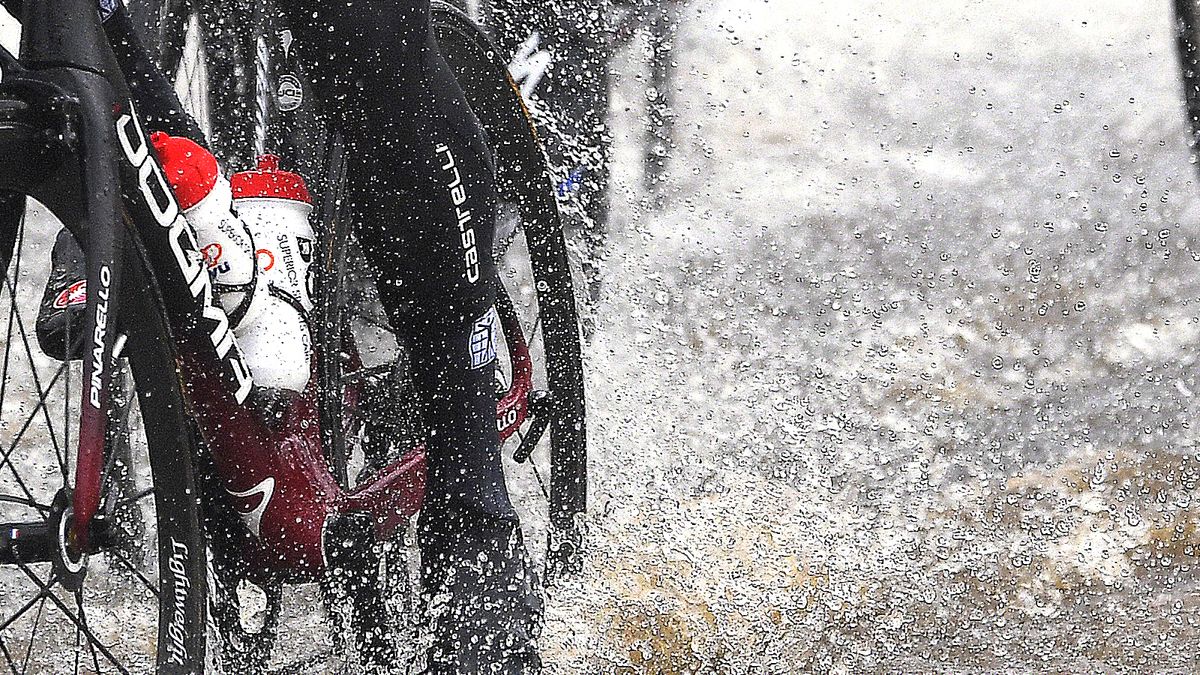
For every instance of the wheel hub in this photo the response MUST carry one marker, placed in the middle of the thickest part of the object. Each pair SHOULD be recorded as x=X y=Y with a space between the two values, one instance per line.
x=69 y=561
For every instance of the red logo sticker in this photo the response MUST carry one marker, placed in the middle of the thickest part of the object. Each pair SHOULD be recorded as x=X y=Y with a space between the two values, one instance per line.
x=75 y=294
x=266 y=259
x=212 y=254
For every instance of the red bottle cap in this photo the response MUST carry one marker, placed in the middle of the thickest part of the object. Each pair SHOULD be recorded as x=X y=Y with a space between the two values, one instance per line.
x=269 y=181
x=191 y=170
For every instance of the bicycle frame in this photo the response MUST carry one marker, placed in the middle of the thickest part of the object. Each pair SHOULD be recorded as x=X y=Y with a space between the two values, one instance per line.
x=65 y=109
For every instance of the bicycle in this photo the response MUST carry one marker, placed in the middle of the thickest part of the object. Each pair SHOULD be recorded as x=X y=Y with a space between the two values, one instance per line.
x=150 y=503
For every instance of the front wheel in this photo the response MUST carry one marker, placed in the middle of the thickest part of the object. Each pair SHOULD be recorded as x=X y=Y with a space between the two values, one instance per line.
x=135 y=602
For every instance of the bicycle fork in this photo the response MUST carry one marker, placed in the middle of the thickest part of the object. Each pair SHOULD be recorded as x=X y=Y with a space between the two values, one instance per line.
x=58 y=121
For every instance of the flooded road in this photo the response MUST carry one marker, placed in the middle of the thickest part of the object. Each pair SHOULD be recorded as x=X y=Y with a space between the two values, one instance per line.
x=899 y=371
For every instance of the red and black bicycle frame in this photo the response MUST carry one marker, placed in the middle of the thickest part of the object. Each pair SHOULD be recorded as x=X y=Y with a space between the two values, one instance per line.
x=81 y=137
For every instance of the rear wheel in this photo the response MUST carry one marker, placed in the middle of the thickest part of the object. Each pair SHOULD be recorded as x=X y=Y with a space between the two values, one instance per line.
x=540 y=278
x=137 y=600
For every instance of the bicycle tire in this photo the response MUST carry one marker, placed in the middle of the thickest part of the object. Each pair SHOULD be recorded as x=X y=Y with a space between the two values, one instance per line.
x=175 y=642
x=1187 y=34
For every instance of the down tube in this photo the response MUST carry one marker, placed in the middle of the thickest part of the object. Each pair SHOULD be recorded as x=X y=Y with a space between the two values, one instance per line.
x=178 y=264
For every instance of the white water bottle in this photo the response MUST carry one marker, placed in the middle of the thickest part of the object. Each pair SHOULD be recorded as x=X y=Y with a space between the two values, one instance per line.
x=275 y=205
x=269 y=327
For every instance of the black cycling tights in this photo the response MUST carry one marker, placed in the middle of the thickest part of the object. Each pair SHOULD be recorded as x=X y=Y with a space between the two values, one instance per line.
x=420 y=182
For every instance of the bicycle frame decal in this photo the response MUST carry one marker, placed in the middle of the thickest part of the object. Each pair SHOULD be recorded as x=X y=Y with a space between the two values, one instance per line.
x=182 y=587
x=253 y=516
x=98 y=355
x=165 y=209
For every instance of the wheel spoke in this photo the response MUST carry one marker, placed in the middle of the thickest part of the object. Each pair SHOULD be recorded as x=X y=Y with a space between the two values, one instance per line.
x=37 y=619
x=12 y=310
x=134 y=570
x=41 y=403
x=66 y=611
x=20 y=483
x=91 y=644
x=11 y=283
x=541 y=483
x=117 y=431
x=31 y=503
x=41 y=406
x=38 y=385
x=41 y=596
x=136 y=497
x=8 y=656
x=6 y=459
x=109 y=463
x=365 y=373
x=535 y=333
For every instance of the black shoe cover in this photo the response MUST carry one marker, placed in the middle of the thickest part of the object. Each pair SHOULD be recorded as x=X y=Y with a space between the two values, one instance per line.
x=486 y=605
x=59 y=322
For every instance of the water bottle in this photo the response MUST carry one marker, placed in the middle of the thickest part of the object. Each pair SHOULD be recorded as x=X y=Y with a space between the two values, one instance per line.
x=275 y=205
x=267 y=314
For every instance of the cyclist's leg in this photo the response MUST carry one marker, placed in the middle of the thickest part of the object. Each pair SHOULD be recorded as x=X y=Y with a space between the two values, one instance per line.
x=422 y=191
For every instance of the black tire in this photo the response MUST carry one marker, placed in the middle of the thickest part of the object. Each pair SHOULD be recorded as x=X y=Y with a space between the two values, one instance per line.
x=560 y=52
x=1187 y=33
x=148 y=578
